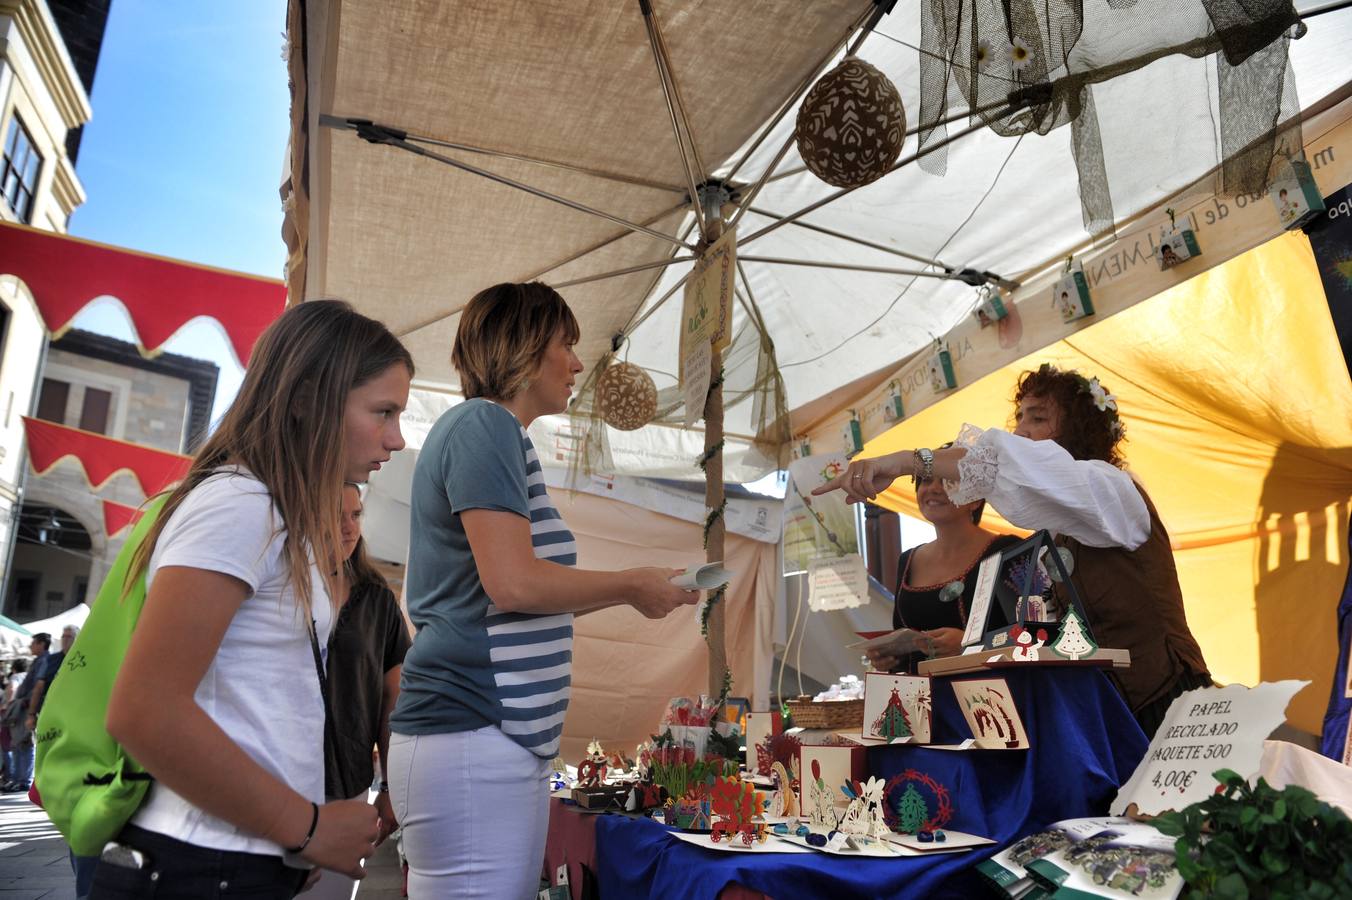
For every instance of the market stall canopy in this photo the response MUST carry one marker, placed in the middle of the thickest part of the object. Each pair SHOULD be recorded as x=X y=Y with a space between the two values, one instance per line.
x=65 y=274
x=14 y=638
x=566 y=99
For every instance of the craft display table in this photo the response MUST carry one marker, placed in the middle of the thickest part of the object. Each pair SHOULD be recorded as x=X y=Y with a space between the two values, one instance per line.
x=1084 y=744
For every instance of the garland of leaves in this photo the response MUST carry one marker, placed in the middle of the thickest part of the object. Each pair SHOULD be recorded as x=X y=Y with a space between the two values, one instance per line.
x=707 y=455
x=711 y=517
x=714 y=597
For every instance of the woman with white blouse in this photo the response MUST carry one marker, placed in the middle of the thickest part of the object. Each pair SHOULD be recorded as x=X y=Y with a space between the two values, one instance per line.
x=1061 y=469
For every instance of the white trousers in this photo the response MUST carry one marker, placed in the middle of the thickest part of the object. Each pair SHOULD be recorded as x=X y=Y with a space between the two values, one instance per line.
x=474 y=807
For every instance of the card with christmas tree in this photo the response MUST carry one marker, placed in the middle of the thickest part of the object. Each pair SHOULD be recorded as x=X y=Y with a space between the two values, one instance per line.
x=897 y=708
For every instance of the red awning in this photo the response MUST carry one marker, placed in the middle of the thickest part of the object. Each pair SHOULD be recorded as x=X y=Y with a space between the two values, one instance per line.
x=161 y=295
x=102 y=457
x=117 y=516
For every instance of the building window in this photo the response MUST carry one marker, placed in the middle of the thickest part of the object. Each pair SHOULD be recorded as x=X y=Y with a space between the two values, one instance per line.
x=24 y=599
x=19 y=171
x=94 y=413
x=52 y=402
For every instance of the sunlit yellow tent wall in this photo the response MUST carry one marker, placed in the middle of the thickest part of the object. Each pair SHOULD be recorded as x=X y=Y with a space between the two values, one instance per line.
x=1238 y=410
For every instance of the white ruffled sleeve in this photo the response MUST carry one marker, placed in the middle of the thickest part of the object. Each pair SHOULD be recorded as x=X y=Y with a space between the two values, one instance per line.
x=1037 y=484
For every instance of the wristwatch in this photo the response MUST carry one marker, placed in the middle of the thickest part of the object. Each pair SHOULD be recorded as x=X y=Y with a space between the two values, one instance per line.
x=924 y=466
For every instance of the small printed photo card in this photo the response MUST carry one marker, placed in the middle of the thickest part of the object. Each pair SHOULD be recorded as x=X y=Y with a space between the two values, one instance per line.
x=990 y=712
x=979 y=616
x=897 y=708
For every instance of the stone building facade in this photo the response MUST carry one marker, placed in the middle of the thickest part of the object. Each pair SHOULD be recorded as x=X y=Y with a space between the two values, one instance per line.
x=102 y=385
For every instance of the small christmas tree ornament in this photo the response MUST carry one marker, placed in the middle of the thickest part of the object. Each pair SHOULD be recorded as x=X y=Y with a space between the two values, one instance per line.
x=1074 y=641
x=941 y=375
x=851 y=125
x=626 y=397
x=1295 y=194
x=1176 y=244
x=1070 y=295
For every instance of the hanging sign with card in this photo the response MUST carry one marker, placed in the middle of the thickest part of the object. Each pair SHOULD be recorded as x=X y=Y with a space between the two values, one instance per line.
x=708 y=296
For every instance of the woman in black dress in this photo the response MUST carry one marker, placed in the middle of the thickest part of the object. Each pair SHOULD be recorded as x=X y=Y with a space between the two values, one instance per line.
x=935 y=581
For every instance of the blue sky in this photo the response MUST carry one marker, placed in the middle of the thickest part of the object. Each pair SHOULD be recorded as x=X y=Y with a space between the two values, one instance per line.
x=184 y=154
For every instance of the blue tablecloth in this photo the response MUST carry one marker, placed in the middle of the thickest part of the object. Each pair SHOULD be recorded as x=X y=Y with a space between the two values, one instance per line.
x=1084 y=745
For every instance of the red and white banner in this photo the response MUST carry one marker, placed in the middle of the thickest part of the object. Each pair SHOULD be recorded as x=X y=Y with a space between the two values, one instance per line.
x=102 y=457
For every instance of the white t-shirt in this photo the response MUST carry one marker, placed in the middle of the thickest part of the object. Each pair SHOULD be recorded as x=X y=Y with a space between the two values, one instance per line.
x=261 y=688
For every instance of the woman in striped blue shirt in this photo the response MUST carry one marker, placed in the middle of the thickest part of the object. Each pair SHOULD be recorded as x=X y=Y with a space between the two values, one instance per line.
x=492 y=590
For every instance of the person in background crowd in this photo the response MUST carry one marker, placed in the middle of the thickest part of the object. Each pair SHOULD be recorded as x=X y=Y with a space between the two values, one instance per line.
x=18 y=673
x=1062 y=470
x=49 y=673
x=16 y=716
x=366 y=655
x=220 y=695
x=492 y=590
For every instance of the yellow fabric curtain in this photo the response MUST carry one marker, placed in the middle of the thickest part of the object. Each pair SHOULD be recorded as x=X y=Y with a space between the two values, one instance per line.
x=1238 y=410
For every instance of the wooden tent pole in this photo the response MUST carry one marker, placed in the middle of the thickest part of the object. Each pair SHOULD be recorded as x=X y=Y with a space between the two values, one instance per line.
x=715 y=498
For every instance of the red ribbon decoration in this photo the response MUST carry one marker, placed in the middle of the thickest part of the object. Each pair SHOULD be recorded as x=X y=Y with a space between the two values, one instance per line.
x=117 y=516
x=160 y=295
x=102 y=457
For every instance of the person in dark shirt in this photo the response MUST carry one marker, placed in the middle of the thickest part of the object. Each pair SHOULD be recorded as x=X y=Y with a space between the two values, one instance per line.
x=17 y=717
x=365 y=659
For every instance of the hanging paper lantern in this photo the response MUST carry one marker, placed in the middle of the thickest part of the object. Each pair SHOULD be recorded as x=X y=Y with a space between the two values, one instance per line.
x=851 y=125
x=626 y=396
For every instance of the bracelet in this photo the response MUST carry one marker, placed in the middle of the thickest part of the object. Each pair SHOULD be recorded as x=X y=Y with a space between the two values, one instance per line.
x=924 y=460
x=314 y=821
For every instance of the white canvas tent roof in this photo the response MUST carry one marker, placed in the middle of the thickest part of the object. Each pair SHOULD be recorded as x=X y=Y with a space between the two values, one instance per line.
x=566 y=98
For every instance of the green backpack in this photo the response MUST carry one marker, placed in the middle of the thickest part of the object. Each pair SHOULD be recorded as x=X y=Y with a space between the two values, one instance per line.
x=89 y=786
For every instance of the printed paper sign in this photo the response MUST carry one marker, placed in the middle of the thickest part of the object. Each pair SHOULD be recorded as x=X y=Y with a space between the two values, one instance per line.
x=989 y=709
x=708 y=296
x=696 y=373
x=1205 y=730
x=816 y=526
x=837 y=583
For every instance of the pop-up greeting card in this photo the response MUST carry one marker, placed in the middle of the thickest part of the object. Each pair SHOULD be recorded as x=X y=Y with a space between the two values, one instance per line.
x=915 y=803
x=897 y=708
x=865 y=813
x=990 y=712
x=832 y=767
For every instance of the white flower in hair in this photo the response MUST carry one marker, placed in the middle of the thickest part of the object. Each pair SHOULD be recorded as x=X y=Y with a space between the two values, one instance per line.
x=1103 y=400
x=1020 y=55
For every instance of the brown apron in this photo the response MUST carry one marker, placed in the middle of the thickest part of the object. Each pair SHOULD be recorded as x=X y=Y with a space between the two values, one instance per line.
x=1134 y=603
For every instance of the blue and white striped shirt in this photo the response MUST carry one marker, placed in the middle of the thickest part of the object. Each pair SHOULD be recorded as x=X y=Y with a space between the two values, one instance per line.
x=473 y=664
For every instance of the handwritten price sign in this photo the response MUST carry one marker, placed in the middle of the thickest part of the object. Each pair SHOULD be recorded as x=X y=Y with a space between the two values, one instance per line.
x=1205 y=730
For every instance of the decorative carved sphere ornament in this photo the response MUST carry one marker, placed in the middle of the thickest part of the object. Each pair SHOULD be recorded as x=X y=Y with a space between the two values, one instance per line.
x=851 y=125
x=626 y=396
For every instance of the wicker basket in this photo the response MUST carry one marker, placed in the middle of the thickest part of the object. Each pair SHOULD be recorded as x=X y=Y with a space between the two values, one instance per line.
x=834 y=714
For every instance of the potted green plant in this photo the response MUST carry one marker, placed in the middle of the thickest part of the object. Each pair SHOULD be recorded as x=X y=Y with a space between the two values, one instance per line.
x=1261 y=843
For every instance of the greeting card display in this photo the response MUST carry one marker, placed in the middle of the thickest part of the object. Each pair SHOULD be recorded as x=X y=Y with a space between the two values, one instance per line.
x=897 y=708
x=989 y=709
x=1023 y=586
x=759 y=726
x=1070 y=295
x=824 y=770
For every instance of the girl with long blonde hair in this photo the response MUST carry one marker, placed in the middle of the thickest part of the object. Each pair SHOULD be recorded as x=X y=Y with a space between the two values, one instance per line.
x=220 y=696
